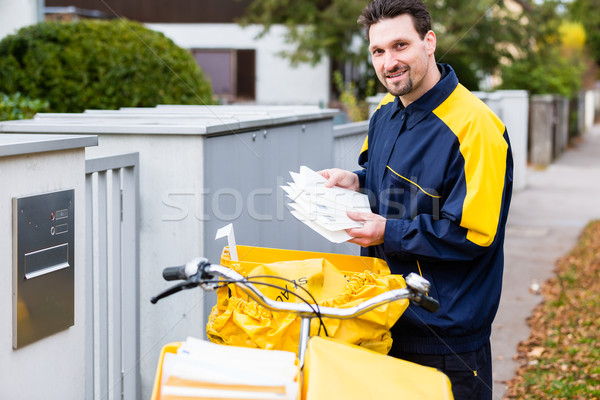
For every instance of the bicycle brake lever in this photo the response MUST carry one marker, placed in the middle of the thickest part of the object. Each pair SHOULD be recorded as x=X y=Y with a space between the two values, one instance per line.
x=420 y=286
x=174 y=289
x=417 y=282
x=428 y=303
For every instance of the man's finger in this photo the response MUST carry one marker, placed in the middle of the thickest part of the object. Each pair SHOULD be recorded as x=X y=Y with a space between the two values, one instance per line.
x=357 y=216
x=324 y=173
x=328 y=174
x=352 y=232
x=359 y=241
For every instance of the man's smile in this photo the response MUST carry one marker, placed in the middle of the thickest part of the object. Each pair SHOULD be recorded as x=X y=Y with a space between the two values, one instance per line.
x=394 y=75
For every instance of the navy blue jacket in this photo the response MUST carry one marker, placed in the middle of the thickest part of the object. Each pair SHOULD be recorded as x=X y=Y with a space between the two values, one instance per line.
x=440 y=171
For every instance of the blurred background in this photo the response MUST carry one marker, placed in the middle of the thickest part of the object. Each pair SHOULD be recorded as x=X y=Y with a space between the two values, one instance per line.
x=313 y=51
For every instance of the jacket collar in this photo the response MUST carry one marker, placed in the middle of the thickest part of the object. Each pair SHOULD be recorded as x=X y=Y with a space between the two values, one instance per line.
x=425 y=104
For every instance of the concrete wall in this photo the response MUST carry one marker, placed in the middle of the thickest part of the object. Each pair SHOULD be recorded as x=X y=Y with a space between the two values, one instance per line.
x=542 y=121
x=167 y=193
x=512 y=107
x=548 y=128
x=53 y=367
x=17 y=14
x=276 y=81
x=589 y=109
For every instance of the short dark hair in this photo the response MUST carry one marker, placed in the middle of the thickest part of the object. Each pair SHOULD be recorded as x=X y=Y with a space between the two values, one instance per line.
x=379 y=10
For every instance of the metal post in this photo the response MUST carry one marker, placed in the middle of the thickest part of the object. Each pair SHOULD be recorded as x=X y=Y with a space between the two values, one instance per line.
x=89 y=289
x=304 y=334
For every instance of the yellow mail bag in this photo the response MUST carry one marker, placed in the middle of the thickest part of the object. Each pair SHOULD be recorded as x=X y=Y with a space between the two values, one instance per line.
x=239 y=321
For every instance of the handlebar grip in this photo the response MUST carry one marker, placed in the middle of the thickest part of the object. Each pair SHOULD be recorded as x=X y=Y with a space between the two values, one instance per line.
x=174 y=273
x=429 y=303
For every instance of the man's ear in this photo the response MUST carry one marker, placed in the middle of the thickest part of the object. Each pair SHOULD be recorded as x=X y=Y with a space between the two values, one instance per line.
x=431 y=41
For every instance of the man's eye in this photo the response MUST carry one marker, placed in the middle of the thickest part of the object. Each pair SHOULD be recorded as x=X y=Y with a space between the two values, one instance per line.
x=377 y=52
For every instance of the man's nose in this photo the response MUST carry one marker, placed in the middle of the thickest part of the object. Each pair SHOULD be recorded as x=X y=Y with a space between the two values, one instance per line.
x=391 y=62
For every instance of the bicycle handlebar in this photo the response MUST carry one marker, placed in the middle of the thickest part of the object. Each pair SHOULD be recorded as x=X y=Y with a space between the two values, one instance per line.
x=173 y=273
x=183 y=271
x=199 y=272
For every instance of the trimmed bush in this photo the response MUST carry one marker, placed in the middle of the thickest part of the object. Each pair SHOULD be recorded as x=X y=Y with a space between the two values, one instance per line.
x=92 y=64
x=16 y=106
x=539 y=76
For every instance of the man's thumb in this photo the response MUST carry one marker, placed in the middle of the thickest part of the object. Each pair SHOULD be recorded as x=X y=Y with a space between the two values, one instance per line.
x=355 y=215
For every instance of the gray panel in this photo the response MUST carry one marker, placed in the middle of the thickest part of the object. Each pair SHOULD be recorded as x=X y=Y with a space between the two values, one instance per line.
x=43 y=266
x=346 y=151
x=243 y=174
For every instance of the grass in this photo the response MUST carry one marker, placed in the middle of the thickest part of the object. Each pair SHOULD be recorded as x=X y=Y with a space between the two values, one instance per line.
x=561 y=358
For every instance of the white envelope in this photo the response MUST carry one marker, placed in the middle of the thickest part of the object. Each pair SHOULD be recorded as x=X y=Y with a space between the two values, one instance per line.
x=324 y=209
x=327 y=221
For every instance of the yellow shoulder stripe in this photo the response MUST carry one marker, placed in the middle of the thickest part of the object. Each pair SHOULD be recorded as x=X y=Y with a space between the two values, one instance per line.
x=480 y=134
x=365 y=145
x=388 y=98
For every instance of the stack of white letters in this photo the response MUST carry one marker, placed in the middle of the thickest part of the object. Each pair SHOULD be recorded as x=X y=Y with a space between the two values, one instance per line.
x=324 y=209
x=204 y=370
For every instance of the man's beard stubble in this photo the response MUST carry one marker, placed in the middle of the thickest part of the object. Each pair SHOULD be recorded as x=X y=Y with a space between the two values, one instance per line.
x=403 y=88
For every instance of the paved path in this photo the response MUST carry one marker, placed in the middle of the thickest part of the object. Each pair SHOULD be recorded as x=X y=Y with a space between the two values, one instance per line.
x=545 y=221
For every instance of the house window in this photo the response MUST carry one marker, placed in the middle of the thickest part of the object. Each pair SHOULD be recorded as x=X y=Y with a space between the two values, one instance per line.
x=232 y=72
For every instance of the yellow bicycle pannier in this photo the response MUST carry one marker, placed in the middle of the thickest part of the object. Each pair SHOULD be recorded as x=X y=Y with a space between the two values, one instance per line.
x=334 y=280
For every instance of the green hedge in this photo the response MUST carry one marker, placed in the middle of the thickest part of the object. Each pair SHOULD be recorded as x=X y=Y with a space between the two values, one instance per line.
x=93 y=64
x=17 y=106
x=549 y=73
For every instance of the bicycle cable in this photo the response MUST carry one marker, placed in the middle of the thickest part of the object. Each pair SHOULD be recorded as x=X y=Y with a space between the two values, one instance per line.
x=316 y=311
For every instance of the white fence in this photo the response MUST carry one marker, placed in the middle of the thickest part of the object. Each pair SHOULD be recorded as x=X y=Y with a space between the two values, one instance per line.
x=112 y=268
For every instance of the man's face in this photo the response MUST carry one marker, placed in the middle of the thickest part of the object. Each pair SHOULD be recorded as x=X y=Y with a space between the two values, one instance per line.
x=402 y=60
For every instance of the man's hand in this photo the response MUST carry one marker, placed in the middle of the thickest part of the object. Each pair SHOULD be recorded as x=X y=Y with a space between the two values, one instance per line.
x=371 y=233
x=341 y=178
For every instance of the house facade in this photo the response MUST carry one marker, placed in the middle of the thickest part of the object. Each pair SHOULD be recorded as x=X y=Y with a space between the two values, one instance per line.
x=17 y=14
x=242 y=67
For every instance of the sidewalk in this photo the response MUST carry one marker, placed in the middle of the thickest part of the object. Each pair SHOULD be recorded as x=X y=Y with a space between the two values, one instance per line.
x=544 y=223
